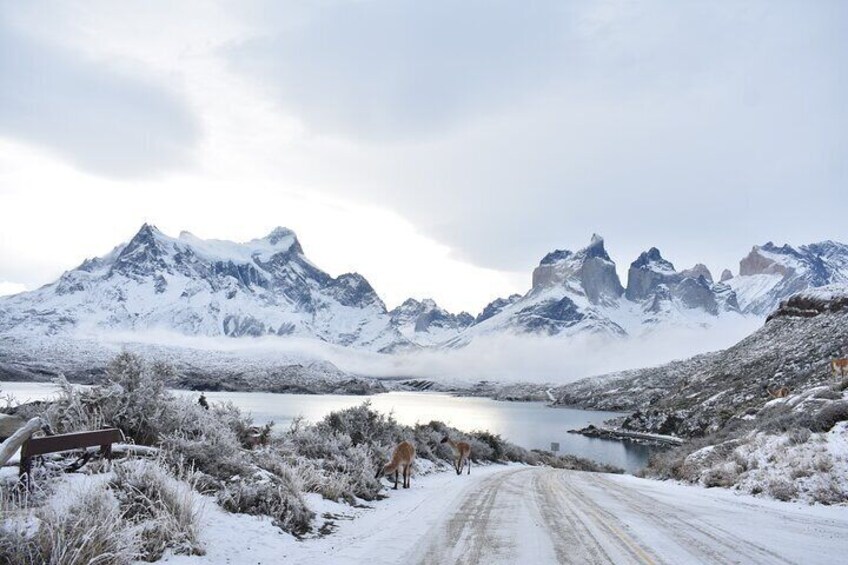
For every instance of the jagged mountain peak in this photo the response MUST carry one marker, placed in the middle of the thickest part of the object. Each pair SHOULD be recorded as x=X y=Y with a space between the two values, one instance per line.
x=595 y=248
x=653 y=260
x=697 y=271
x=424 y=322
x=212 y=287
x=589 y=272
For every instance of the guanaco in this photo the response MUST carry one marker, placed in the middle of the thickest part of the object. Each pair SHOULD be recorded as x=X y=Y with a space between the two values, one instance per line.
x=781 y=392
x=839 y=367
x=463 y=454
x=402 y=457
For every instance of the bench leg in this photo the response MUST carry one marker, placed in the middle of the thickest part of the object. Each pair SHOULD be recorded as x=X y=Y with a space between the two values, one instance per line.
x=24 y=471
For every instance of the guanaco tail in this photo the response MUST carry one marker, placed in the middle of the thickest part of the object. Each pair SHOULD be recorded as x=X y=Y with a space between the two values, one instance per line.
x=402 y=458
x=463 y=454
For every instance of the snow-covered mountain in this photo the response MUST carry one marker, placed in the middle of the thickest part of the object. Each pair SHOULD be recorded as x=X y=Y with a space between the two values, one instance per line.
x=426 y=323
x=577 y=292
x=267 y=287
x=769 y=274
x=202 y=287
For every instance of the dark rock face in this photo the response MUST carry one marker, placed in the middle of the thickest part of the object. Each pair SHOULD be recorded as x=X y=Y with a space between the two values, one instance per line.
x=726 y=275
x=696 y=294
x=551 y=317
x=351 y=289
x=648 y=272
x=590 y=267
x=426 y=314
x=653 y=280
x=240 y=326
x=143 y=255
x=495 y=307
x=804 y=306
x=757 y=264
x=699 y=270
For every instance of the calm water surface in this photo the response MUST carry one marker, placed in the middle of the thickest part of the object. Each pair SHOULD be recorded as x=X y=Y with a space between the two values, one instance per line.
x=529 y=424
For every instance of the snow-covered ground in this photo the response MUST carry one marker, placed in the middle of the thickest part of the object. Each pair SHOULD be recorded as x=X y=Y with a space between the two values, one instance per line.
x=518 y=514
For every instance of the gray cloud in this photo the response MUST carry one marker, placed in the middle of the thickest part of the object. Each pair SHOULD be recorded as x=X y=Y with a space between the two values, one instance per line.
x=505 y=130
x=97 y=117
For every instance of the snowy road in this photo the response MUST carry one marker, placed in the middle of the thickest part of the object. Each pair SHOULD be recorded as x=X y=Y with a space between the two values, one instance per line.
x=516 y=514
x=532 y=515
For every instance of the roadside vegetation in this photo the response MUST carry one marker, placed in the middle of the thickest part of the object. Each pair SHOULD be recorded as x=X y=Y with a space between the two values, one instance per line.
x=139 y=508
x=794 y=448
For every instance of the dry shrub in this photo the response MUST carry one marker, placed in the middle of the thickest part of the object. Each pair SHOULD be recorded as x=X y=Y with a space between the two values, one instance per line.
x=164 y=510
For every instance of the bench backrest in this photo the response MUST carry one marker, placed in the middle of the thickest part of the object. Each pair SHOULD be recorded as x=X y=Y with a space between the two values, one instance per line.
x=65 y=442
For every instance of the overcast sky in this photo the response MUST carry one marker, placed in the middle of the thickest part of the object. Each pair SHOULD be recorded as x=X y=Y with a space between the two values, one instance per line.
x=439 y=148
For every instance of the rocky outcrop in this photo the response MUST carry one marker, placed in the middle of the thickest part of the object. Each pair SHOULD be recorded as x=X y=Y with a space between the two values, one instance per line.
x=496 y=306
x=726 y=275
x=589 y=270
x=425 y=322
x=648 y=272
x=757 y=263
x=699 y=270
x=771 y=273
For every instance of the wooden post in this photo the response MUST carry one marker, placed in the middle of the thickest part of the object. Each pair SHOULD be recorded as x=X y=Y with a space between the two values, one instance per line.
x=14 y=442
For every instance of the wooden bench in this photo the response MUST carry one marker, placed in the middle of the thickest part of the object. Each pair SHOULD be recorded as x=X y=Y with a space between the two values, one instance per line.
x=67 y=442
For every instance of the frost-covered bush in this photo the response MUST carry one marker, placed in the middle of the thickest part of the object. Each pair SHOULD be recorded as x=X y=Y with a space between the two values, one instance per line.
x=782 y=489
x=164 y=511
x=363 y=425
x=90 y=529
x=830 y=415
x=272 y=497
x=201 y=439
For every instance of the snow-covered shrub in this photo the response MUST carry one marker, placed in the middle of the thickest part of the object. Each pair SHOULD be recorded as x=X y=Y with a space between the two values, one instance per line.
x=90 y=529
x=724 y=475
x=164 y=511
x=199 y=438
x=782 y=489
x=830 y=415
x=272 y=497
x=363 y=425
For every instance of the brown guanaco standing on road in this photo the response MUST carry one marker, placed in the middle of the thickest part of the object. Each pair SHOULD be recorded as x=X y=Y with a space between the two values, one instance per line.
x=402 y=458
x=463 y=454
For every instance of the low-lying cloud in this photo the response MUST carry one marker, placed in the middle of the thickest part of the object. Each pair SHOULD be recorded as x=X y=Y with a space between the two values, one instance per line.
x=502 y=358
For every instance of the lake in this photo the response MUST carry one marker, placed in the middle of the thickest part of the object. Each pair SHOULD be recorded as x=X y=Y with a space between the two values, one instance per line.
x=528 y=424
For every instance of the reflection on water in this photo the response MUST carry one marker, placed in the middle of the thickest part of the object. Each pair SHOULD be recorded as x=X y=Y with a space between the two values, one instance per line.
x=529 y=424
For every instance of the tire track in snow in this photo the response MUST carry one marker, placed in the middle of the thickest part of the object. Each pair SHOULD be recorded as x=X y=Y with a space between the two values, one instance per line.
x=690 y=530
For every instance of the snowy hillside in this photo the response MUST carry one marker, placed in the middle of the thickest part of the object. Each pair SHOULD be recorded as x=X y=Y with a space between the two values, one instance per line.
x=698 y=395
x=209 y=288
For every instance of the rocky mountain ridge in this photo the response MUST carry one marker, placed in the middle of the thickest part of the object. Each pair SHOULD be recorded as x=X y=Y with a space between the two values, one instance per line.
x=267 y=287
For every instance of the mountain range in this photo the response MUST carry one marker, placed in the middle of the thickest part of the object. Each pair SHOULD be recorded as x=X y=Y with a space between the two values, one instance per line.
x=267 y=287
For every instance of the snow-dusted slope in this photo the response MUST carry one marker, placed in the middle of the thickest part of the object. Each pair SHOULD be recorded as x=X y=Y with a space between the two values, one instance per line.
x=769 y=274
x=207 y=288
